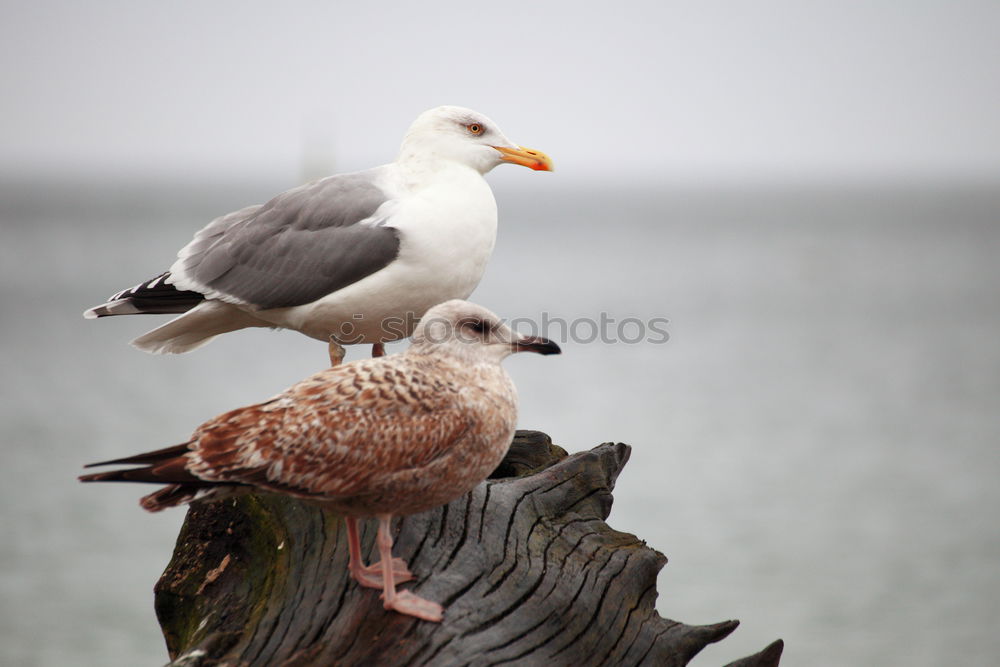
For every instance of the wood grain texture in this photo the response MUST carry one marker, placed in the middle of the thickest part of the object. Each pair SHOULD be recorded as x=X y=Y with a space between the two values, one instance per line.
x=527 y=569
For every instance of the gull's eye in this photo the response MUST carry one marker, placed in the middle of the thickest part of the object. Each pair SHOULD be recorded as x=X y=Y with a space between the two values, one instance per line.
x=477 y=325
x=475 y=128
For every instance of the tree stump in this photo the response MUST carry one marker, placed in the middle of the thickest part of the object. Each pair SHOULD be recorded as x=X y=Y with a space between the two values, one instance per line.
x=526 y=568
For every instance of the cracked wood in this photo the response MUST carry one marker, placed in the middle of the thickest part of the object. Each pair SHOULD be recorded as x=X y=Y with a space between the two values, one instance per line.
x=527 y=569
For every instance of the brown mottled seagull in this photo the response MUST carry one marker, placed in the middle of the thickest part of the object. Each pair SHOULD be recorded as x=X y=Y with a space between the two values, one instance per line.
x=337 y=258
x=392 y=435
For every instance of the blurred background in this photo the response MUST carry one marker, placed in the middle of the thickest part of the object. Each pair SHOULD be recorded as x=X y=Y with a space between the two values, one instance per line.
x=808 y=191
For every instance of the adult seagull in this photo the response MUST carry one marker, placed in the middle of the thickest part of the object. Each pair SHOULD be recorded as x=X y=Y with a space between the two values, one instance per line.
x=351 y=258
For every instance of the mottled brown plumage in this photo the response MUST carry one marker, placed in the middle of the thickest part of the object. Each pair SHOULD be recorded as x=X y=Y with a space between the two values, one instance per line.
x=380 y=437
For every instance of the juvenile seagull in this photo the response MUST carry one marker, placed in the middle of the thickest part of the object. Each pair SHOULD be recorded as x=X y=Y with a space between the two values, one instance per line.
x=393 y=435
x=351 y=258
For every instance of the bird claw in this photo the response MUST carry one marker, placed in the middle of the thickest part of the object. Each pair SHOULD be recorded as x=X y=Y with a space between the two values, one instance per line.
x=410 y=604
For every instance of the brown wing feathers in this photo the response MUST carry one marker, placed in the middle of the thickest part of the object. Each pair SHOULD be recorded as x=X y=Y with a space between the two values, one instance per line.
x=164 y=466
x=161 y=469
x=170 y=496
x=322 y=437
x=157 y=456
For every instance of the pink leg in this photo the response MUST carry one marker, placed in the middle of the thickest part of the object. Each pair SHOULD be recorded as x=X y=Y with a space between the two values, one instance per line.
x=370 y=575
x=404 y=602
x=336 y=352
x=378 y=350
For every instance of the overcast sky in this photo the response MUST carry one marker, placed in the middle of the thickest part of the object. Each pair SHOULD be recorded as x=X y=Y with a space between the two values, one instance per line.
x=697 y=89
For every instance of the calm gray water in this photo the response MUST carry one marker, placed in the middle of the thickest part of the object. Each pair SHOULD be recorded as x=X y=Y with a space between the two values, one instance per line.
x=815 y=449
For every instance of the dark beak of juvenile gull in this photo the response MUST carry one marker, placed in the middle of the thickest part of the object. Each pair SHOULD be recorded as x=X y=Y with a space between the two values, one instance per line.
x=536 y=344
x=526 y=157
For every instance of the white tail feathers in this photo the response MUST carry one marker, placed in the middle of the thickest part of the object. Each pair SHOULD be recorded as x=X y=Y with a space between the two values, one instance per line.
x=195 y=328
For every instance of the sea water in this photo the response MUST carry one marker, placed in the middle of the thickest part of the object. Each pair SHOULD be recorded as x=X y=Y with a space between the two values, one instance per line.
x=814 y=428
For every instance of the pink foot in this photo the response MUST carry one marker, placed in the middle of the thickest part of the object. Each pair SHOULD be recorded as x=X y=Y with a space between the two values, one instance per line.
x=336 y=352
x=371 y=575
x=407 y=603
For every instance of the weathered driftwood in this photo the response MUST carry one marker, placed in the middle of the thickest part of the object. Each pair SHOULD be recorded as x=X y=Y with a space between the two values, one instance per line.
x=525 y=566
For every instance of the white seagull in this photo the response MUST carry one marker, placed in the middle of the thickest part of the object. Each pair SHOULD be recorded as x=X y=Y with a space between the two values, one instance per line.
x=351 y=258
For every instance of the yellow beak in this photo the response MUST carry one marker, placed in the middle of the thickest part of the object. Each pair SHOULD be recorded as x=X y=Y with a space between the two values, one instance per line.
x=526 y=157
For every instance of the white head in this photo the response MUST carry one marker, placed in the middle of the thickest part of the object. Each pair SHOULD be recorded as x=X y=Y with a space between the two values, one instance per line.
x=467 y=137
x=472 y=333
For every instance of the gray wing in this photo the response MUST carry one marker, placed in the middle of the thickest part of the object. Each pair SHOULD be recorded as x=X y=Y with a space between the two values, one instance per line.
x=296 y=248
